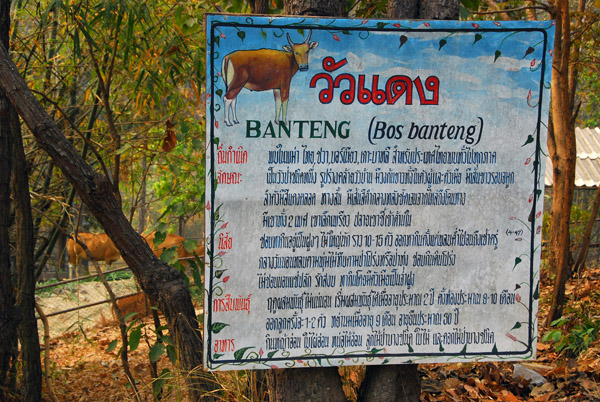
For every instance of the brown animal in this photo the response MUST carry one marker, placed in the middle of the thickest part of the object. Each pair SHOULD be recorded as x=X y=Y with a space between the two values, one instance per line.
x=171 y=241
x=133 y=304
x=264 y=69
x=100 y=246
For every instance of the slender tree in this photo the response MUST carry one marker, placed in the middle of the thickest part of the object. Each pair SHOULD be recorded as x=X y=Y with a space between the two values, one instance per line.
x=561 y=145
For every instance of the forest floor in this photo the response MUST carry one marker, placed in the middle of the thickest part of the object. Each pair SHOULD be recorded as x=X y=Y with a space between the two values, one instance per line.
x=82 y=369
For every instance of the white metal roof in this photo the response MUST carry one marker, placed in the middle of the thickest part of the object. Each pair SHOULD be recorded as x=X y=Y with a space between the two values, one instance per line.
x=587 y=166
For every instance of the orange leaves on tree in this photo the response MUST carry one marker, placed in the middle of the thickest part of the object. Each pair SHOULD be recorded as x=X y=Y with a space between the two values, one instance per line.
x=170 y=140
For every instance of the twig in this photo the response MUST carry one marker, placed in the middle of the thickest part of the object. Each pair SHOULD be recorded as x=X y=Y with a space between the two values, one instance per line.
x=44 y=319
x=509 y=10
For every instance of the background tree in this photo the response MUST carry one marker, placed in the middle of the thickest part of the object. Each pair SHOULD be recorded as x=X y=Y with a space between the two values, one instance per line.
x=108 y=48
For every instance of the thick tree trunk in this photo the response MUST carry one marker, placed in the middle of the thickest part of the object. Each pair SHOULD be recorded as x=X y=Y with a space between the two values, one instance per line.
x=8 y=316
x=307 y=384
x=561 y=144
x=163 y=284
x=25 y=271
x=402 y=382
x=325 y=8
x=397 y=383
x=408 y=9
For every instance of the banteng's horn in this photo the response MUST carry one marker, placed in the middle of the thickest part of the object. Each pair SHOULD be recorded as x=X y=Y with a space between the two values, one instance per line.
x=290 y=40
x=308 y=37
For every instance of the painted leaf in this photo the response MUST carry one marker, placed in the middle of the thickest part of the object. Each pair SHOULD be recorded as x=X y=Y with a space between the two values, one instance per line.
x=464 y=350
x=238 y=354
x=403 y=40
x=516 y=326
x=442 y=43
x=497 y=54
x=218 y=327
x=528 y=141
x=528 y=51
x=241 y=35
x=478 y=37
x=517 y=262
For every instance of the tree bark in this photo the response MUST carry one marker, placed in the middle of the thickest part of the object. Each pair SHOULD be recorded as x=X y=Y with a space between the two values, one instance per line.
x=396 y=383
x=561 y=144
x=8 y=316
x=324 y=8
x=307 y=384
x=402 y=382
x=408 y=9
x=25 y=271
x=163 y=284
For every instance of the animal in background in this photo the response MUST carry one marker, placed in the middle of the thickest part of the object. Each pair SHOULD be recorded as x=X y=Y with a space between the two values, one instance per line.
x=100 y=246
x=137 y=303
x=173 y=241
x=261 y=70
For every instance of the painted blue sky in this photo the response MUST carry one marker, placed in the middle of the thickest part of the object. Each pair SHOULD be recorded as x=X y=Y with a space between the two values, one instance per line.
x=484 y=66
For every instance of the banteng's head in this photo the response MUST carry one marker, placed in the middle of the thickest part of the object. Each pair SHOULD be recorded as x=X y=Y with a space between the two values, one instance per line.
x=300 y=50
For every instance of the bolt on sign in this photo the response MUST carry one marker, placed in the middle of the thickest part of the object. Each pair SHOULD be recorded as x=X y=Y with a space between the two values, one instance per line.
x=374 y=190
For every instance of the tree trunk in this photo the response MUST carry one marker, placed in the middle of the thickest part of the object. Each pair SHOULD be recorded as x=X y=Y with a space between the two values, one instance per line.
x=31 y=389
x=163 y=284
x=561 y=144
x=402 y=382
x=395 y=383
x=334 y=8
x=307 y=384
x=8 y=316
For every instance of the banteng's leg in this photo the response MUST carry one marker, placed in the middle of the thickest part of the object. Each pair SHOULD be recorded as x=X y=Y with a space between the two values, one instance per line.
x=277 y=95
x=285 y=95
x=284 y=111
x=234 y=114
x=228 y=104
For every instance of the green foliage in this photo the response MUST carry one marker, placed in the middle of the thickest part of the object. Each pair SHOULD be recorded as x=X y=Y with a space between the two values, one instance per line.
x=179 y=179
x=579 y=219
x=575 y=340
x=589 y=96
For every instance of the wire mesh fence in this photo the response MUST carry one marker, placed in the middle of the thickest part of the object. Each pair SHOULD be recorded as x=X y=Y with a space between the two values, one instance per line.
x=83 y=303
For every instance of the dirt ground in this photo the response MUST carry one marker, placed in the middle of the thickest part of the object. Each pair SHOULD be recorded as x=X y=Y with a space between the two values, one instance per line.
x=82 y=369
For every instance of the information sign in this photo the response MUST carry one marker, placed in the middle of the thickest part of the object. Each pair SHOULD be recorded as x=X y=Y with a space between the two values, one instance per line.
x=373 y=190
